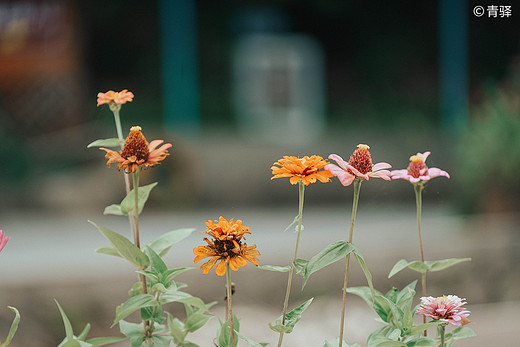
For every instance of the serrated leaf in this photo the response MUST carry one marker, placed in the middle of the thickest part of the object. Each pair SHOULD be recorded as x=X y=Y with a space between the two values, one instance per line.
x=330 y=254
x=162 y=244
x=114 y=209
x=101 y=341
x=274 y=268
x=124 y=247
x=112 y=142
x=14 y=327
x=133 y=304
x=108 y=251
x=291 y=318
x=128 y=203
x=439 y=265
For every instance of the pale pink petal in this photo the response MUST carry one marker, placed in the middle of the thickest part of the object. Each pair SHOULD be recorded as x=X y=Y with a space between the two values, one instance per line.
x=153 y=144
x=344 y=177
x=424 y=155
x=435 y=172
x=384 y=174
x=343 y=164
x=381 y=166
x=356 y=172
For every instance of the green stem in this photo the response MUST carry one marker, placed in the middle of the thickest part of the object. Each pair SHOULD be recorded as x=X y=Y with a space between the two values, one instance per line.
x=142 y=278
x=115 y=110
x=357 y=188
x=418 y=187
x=442 y=333
x=229 y=311
x=301 y=193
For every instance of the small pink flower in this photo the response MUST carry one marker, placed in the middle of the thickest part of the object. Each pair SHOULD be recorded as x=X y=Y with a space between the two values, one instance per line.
x=445 y=308
x=121 y=97
x=359 y=165
x=418 y=171
x=3 y=240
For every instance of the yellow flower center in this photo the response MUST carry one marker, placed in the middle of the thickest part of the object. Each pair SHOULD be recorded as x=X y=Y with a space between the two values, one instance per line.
x=363 y=146
x=416 y=158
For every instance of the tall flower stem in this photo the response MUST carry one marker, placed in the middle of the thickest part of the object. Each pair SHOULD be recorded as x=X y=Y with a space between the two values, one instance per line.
x=418 y=187
x=357 y=188
x=301 y=193
x=229 y=312
x=442 y=332
x=115 y=110
x=142 y=278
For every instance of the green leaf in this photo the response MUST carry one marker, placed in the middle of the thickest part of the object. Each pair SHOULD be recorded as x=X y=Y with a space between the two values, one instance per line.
x=439 y=265
x=417 y=329
x=461 y=333
x=176 y=329
x=391 y=344
x=300 y=265
x=167 y=240
x=224 y=332
x=295 y=220
x=174 y=295
x=135 y=332
x=196 y=321
x=101 y=341
x=133 y=304
x=108 y=251
x=14 y=327
x=69 y=334
x=400 y=265
x=83 y=335
x=74 y=343
x=291 y=318
x=250 y=342
x=335 y=343
x=368 y=275
x=112 y=142
x=160 y=341
x=124 y=247
x=170 y=274
x=114 y=209
x=157 y=265
x=274 y=268
x=128 y=203
x=423 y=342
x=330 y=254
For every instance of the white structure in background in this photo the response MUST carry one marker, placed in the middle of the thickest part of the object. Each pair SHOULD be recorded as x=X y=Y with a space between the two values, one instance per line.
x=278 y=88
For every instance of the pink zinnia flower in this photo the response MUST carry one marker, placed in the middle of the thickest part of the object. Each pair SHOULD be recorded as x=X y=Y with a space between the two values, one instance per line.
x=418 y=171
x=445 y=308
x=359 y=165
x=3 y=240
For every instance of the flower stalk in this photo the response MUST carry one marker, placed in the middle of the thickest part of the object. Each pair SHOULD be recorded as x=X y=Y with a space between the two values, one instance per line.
x=357 y=188
x=229 y=312
x=442 y=333
x=301 y=193
x=418 y=188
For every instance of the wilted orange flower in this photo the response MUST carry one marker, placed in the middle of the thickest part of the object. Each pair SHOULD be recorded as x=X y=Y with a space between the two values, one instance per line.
x=227 y=246
x=117 y=97
x=307 y=169
x=137 y=152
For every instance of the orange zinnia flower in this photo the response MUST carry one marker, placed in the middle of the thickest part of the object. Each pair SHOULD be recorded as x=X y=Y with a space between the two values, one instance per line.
x=116 y=97
x=307 y=169
x=227 y=246
x=137 y=152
